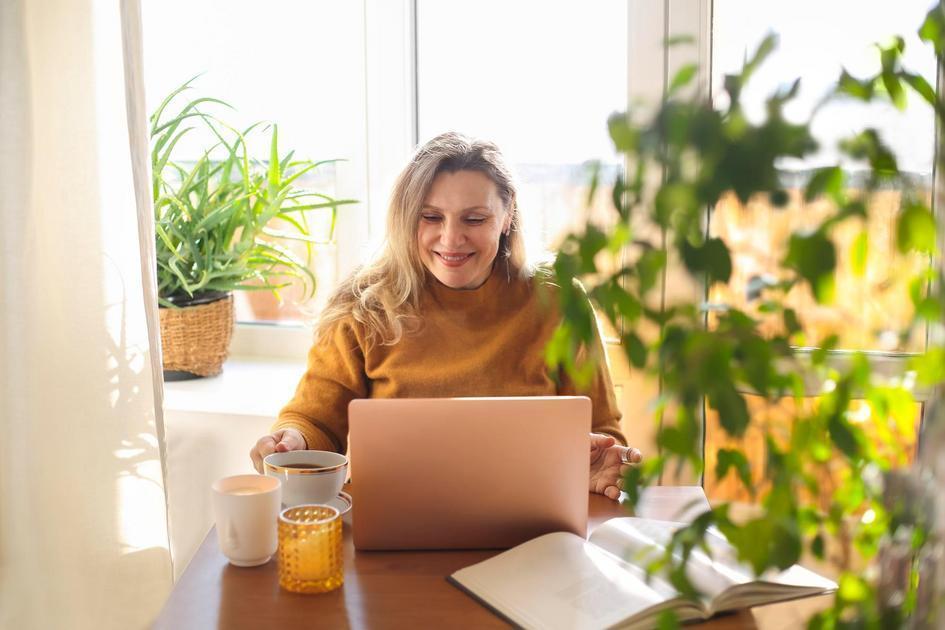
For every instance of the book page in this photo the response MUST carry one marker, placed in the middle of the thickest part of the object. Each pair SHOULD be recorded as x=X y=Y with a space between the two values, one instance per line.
x=720 y=577
x=640 y=541
x=773 y=586
x=561 y=581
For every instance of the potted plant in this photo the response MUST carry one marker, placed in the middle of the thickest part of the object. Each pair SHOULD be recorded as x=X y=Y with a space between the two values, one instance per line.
x=223 y=222
x=709 y=356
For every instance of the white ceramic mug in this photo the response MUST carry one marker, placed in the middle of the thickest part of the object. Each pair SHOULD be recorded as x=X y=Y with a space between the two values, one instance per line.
x=319 y=481
x=246 y=509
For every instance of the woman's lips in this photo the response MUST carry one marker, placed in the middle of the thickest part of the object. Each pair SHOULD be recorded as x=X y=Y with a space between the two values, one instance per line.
x=453 y=259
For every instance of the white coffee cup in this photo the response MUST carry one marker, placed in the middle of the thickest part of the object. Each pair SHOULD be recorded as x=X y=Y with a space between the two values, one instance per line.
x=246 y=509
x=318 y=481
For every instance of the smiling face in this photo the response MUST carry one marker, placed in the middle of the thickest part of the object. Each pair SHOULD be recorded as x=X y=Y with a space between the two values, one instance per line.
x=461 y=221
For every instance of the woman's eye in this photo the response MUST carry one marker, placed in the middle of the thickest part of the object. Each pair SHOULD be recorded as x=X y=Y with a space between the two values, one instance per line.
x=474 y=220
x=432 y=218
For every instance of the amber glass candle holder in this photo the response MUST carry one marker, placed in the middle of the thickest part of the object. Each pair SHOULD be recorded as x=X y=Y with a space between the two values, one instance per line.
x=310 y=552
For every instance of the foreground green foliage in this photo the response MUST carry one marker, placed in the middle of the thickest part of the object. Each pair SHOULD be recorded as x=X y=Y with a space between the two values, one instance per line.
x=681 y=162
x=222 y=222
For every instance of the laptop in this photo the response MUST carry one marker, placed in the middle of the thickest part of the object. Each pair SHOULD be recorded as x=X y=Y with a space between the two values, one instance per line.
x=468 y=473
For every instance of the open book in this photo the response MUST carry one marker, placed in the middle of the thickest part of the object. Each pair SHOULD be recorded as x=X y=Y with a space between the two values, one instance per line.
x=563 y=581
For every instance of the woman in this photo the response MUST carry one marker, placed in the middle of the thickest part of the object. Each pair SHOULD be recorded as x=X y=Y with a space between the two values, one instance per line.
x=450 y=308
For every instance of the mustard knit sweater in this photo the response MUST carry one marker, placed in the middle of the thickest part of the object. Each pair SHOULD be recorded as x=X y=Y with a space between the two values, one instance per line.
x=482 y=342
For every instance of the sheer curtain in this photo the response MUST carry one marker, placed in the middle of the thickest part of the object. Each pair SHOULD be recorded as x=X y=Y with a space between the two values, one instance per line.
x=83 y=525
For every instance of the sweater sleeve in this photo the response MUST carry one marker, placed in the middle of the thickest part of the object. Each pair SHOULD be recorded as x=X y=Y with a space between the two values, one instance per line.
x=605 y=414
x=333 y=378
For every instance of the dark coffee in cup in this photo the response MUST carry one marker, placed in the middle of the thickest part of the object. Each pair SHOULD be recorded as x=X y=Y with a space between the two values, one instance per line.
x=307 y=476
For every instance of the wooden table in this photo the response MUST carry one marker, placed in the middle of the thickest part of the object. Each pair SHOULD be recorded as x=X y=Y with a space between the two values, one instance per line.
x=395 y=589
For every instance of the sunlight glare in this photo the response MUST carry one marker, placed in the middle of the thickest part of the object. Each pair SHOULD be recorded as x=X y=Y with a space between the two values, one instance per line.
x=142 y=523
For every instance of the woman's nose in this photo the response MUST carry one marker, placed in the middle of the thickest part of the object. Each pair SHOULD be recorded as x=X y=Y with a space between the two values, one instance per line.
x=453 y=233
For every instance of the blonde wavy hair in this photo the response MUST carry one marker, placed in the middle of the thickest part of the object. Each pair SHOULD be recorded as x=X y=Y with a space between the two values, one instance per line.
x=384 y=295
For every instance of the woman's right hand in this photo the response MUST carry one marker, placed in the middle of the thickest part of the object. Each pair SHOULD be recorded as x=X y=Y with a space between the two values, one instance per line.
x=281 y=441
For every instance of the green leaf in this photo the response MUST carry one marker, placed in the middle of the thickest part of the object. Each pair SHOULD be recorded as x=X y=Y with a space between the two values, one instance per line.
x=711 y=258
x=732 y=83
x=733 y=412
x=933 y=29
x=859 y=253
x=814 y=257
x=729 y=459
x=667 y=620
x=765 y=48
x=592 y=242
x=817 y=547
x=275 y=174
x=635 y=349
x=594 y=169
x=915 y=229
x=674 y=200
x=824 y=180
x=850 y=86
x=677 y=40
x=618 y=197
x=852 y=588
x=752 y=540
x=922 y=87
x=682 y=78
x=167 y=99
x=867 y=145
x=786 y=545
x=791 y=322
x=624 y=136
x=929 y=366
x=844 y=436
x=619 y=238
x=890 y=57
x=648 y=268
x=674 y=440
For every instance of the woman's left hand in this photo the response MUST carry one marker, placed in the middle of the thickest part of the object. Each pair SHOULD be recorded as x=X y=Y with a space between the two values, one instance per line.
x=609 y=462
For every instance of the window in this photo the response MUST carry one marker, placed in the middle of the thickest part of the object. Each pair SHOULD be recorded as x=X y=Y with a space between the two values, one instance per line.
x=537 y=78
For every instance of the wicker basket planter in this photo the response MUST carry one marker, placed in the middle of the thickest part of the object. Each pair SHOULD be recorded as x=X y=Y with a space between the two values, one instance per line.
x=195 y=339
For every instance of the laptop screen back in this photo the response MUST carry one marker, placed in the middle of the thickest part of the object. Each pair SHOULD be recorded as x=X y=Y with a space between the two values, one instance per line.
x=468 y=473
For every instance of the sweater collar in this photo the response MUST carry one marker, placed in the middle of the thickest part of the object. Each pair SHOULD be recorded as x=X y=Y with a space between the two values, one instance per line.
x=485 y=293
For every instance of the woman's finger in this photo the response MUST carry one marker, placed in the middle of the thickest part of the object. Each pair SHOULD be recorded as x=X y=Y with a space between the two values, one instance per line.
x=264 y=446
x=630 y=455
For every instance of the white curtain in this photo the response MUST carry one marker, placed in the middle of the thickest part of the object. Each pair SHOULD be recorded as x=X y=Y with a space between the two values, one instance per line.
x=83 y=526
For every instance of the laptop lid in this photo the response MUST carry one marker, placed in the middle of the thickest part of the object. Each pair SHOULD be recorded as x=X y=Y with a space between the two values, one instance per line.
x=468 y=473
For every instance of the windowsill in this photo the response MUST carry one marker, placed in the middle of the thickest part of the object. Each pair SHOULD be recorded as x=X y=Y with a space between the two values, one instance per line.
x=248 y=385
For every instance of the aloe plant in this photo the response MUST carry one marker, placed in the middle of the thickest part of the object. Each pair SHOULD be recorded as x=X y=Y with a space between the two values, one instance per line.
x=223 y=223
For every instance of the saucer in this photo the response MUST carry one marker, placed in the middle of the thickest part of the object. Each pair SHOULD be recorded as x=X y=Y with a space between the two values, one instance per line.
x=342 y=502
